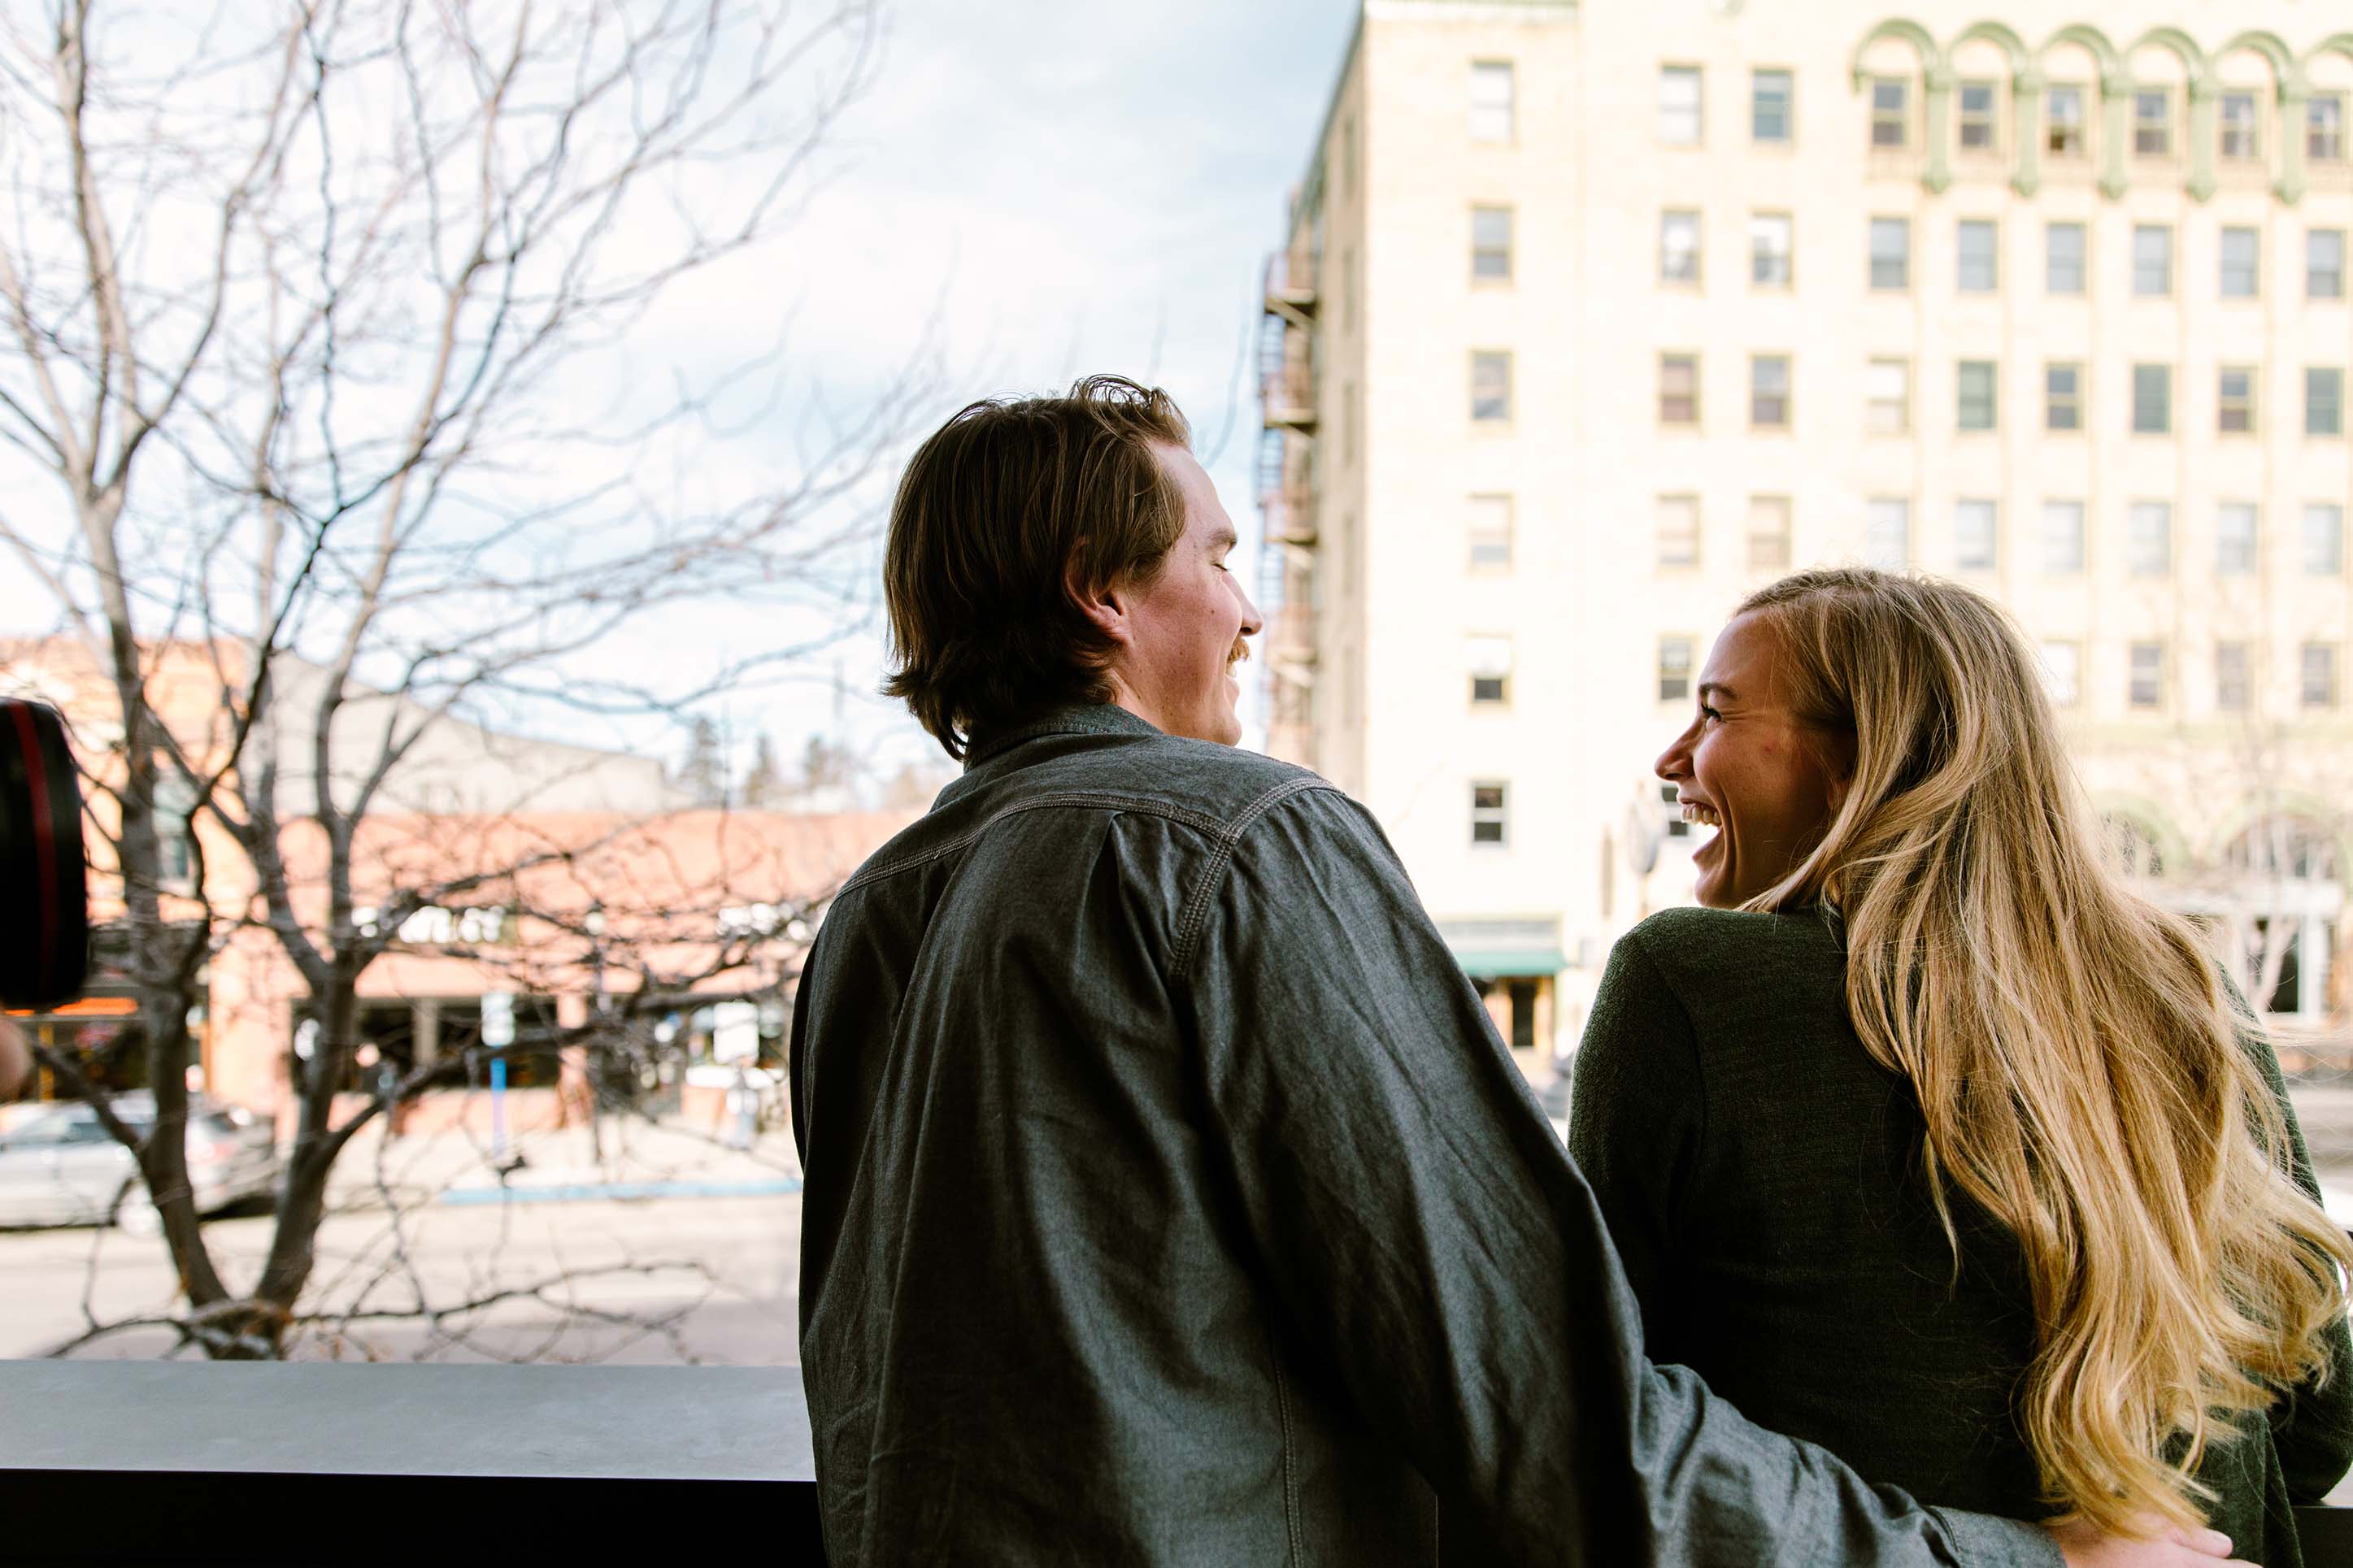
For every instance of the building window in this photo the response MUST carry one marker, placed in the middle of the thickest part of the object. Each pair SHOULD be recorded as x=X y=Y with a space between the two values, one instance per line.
x=2323 y=264
x=2323 y=128
x=1679 y=106
x=1488 y=659
x=2324 y=540
x=2235 y=539
x=1679 y=246
x=2235 y=407
x=1973 y=535
x=1768 y=250
x=1978 y=267
x=2063 y=537
x=1978 y=100
x=1679 y=389
x=1887 y=534
x=2063 y=124
x=1772 y=107
x=2148 y=684
x=2153 y=123
x=2063 y=397
x=2152 y=260
x=1490 y=386
x=1769 y=533
x=2148 y=539
x=2152 y=399
x=2063 y=257
x=1493 y=112
x=2062 y=673
x=2324 y=401
x=175 y=801
x=2238 y=121
x=2319 y=682
x=2240 y=265
x=1891 y=253
x=2232 y=686
x=1769 y=392
x=1491 y=244
x=1891 y=113
x=1490 y=814
x=1888 y=383
x=1490 y=534
x=1678 y=540
x=1674 y=670
x=1974 y=383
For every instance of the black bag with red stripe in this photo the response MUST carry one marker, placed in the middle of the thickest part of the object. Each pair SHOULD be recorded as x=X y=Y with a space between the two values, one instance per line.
x=43 y=879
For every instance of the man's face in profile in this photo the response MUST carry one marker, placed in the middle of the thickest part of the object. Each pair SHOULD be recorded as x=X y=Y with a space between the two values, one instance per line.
x=1189 y=622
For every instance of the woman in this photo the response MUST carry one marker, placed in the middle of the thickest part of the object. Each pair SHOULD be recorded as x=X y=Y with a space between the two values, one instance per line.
x=1928 y=1141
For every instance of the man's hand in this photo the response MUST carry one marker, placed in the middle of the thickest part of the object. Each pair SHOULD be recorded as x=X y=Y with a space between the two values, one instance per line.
x=2167 y=1546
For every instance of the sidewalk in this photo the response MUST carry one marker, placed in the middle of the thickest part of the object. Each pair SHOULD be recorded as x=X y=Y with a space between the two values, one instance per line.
x=640 y=1160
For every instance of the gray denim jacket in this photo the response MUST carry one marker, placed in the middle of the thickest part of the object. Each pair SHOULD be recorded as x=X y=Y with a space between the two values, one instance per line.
x=1170 y=1199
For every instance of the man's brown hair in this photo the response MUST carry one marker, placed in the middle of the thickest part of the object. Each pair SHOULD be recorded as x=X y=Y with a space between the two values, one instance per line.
x=1009 y=511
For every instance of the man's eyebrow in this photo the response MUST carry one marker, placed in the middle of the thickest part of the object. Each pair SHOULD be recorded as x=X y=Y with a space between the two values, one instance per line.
x=1224 y=538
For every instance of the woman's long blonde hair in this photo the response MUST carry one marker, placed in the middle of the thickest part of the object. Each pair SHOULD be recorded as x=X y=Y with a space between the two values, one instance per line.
x=2073 y=1053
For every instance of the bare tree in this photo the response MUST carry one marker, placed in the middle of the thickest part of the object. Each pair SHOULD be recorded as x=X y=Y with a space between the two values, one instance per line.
x=309 y=304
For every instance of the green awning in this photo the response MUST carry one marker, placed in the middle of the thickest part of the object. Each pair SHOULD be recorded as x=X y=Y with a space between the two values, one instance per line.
x=1505 y=965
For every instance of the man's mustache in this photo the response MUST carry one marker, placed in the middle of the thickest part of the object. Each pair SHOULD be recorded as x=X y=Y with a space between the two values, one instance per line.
x=1241 y=654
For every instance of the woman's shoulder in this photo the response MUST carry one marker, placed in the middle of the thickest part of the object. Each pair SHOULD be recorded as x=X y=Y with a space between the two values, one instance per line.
x=1731 y=962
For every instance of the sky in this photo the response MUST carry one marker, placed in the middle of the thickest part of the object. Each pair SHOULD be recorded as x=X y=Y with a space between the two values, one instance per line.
x=1054 y=188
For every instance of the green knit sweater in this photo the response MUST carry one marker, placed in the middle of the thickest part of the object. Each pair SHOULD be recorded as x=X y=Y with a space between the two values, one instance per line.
x=1760 y=1176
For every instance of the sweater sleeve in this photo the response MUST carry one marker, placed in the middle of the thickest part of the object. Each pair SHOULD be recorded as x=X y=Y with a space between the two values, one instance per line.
x=1637 y=1123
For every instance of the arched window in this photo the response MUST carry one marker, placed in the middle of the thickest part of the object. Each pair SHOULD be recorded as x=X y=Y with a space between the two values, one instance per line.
x=2133 y=849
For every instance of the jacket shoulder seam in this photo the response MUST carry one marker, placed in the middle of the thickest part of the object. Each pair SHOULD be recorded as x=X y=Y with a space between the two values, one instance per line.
x=1196 y=908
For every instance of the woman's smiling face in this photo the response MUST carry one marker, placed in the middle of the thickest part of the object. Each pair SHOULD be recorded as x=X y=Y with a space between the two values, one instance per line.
x=1768 y=781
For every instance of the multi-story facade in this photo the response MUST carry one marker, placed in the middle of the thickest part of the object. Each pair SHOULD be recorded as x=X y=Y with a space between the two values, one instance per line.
x=1592 y=316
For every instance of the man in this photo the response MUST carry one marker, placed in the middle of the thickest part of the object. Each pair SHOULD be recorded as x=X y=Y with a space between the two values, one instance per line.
x=1169 y=1197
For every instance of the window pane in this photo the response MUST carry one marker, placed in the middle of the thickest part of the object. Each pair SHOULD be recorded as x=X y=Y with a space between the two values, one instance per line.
x=2063 y=258
x=1768 y=250
x=2148 y=687
x=2064 y=122
x=2239 y=263
x=1891 y=118
x=1678 y=389
x=1674 y=669
x=2063 y=397
x=1973 y=535
x=1490 y=534
x=1978 y=266
x=2324 y=540
x=1888 y=385
x=2153 y=259
x=2324 y=401
x=2063 y=537
x=1977 y=394
x=1978 y=99
x=1679 y=106
x=1771 y=103
x=1891 y=253
x=1491 y=243
x=2148 y=542
x=2153 y=123
x=1679 y=248
x=2323 y=264
x=2238 y=126
x=2235 y=539
x=2235 y=401
x=1769 y=533
x=1678 y=539
x=1488 y=660
x=1490 y=386
x=2062 y=670
x=2323 y=121
x=2152 y=399
x=2319 y=681
x=1769 y=392
x=1488 y=813
x=1887 y=535
x=2232 y=686
x=1491 y=105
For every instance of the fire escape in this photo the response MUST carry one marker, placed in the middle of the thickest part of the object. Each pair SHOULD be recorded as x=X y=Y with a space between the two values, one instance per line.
x=1286 y=499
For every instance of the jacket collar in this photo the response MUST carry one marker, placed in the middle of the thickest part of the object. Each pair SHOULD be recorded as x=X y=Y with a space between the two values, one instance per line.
x=1089 y=718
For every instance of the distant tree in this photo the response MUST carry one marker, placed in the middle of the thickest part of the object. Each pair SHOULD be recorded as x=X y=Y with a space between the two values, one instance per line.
x=704 y=774
x=827 y=769
x=763 y=784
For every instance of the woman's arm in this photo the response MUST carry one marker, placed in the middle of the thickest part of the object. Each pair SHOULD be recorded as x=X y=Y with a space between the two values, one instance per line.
x=1637 y=1122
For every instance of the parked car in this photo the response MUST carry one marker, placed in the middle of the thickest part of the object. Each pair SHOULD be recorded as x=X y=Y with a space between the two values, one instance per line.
x=60 y=1167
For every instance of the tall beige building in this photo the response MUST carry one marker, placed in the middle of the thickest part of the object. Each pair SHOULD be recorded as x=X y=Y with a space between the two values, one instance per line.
x=1593 y=316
